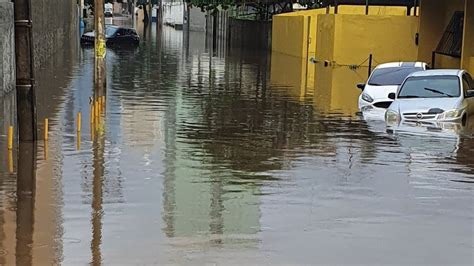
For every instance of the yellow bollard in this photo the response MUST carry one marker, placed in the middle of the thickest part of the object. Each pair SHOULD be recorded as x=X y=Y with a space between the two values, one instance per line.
x=46 y=129
x=79 y=122
x=10 y=137
x=10 y=161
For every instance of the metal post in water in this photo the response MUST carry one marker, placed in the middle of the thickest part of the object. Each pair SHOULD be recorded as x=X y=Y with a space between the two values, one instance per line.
x=25 y=91
x=46 y=126
x=370 y=64
x=100 y=50
x=415 y=8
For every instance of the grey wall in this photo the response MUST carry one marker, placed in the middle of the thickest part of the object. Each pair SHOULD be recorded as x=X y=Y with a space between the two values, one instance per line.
x=55 y=32
x=7 y=48
x=250 y=34
x=55 y=27
x=196 y=19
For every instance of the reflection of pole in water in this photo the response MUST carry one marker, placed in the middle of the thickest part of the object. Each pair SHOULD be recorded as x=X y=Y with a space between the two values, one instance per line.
x=100 y=50
x=216 y=226
x=97 y=197
x=25 y=202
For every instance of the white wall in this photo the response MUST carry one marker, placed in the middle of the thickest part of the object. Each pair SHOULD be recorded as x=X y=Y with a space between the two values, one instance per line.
x=173 y=13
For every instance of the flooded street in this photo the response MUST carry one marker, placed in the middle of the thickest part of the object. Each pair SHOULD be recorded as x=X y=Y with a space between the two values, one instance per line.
x=227 y=157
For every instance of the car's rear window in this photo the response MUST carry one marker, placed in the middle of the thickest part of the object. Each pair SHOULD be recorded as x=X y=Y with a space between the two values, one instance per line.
x=391 y=75
x=110 y=31
x=430 y=87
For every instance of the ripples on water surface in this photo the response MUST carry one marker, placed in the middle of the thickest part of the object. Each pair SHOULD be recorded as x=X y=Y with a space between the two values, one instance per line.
x=213 y=159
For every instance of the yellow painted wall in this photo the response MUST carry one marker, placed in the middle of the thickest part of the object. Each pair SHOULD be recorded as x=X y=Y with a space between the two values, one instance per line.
x=471 y=66
x=289 y=35
x=435 y=16
x=325 y=38
x=373 y=10
x=289 y=32
x=447 y=62
x=336 y=90
x=357 y=36
x=345 y=40
x=291 y=72
x=468 y=39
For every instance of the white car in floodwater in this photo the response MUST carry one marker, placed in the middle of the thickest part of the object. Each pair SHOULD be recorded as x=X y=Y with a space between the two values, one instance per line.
x=433 y=96
x=385 y=79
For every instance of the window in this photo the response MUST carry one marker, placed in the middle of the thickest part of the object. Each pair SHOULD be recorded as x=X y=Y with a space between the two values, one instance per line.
x=391 y=75
x=430 y=87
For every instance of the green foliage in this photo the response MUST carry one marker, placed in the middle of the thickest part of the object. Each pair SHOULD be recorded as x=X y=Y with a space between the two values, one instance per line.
x=313 y=3
x=212 y=5
x=215 y=5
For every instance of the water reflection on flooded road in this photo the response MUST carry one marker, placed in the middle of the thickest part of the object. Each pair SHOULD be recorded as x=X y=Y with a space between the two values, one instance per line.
x=210 y=159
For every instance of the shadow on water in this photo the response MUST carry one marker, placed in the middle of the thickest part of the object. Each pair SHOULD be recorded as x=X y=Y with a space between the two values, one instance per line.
x=25 y=207
x=97 y=197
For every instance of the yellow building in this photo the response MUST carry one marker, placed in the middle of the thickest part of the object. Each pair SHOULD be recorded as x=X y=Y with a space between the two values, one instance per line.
x=396 y=35
x=323 y=53
x=295 y=33
x=447 y=33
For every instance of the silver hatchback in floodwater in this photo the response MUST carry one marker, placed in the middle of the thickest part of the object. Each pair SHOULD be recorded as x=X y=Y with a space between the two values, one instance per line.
x=433 y=96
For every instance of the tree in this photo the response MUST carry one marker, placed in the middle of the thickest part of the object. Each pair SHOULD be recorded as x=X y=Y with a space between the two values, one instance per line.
x=264 y=9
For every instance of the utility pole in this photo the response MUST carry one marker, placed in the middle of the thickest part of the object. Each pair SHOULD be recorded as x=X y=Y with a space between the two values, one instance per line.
x=100 y=77
x=25 y=91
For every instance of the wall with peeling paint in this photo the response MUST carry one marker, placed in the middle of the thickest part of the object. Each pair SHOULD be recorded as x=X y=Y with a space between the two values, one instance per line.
x=7 y=48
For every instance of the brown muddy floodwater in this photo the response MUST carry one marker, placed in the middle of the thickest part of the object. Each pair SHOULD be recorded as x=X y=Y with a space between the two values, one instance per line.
x=228 y=158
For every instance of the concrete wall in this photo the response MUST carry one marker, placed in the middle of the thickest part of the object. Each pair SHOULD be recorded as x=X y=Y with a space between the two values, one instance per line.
x=290 y=35
x=195 y=19
x=292 y=72
x=349 y=39
x=56 y=27
x=388 y=38
x=249 y=34
x=335 y=89
x=7 y=48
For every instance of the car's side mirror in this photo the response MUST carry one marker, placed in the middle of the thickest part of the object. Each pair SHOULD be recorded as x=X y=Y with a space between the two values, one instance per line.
x=391 y=96
x=361 y=86
x=469 y=93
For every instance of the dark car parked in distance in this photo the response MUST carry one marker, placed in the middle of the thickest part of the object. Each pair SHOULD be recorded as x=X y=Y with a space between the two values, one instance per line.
x=115 y=36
